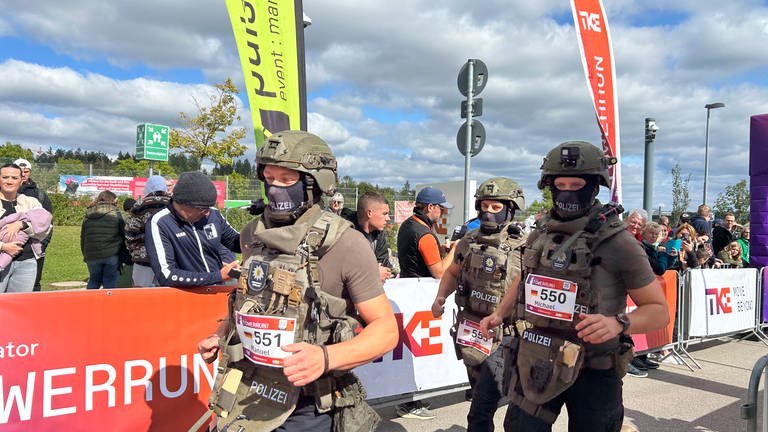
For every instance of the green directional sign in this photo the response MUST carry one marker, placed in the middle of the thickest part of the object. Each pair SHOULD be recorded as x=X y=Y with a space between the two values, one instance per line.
x=152 y=142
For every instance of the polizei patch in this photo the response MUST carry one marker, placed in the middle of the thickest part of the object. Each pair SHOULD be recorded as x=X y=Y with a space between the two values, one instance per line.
x=538 y=339
x=257 y=276
x=266 y=391
x=489 y=264
x=484 y=297
x=561 y=261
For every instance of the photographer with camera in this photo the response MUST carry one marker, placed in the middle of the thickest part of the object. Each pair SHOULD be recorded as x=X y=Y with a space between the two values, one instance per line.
x=689 y=243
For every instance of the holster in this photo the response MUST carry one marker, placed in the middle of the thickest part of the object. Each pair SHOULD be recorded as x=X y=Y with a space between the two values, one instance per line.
x=547 y=365
x=351 y=411
x=624 y=355
x=509 y=349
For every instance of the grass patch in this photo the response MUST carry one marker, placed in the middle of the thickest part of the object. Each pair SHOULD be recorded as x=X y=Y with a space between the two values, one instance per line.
x=63 y=258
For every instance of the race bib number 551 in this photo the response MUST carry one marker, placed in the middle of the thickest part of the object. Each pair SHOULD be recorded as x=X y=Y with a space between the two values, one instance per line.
x=550 y=297
x=262 y=336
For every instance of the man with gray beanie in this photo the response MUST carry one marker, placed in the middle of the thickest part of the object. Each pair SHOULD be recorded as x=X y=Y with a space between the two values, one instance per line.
x=183 y=240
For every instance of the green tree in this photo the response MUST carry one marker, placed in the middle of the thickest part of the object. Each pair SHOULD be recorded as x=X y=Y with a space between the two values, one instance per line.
x=12 y=152
x=183 y=163
x=545 y=203
x=140 y=168
x=734 y=199
x=681 y=199
x=70 y=167
x=205 y=135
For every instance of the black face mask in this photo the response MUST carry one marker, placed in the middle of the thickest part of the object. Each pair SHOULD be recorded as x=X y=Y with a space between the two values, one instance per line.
x=491 y=222
x=285 y=202
x=574 y=204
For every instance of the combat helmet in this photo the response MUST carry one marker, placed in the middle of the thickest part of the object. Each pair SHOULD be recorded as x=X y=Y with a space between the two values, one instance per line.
x=303 y=152
x=576 y=158
x=500 y=189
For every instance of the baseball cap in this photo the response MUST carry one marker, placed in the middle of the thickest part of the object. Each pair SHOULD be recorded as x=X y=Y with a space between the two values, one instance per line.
x=685 y=217
x=432 y=195
x=23 y=163
x=338 y=197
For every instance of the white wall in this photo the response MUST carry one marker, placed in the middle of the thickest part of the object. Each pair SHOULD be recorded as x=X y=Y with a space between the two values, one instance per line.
x=454 y=192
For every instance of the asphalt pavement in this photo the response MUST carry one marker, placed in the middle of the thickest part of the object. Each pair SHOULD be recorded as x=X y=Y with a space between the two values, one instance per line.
x=672 y=398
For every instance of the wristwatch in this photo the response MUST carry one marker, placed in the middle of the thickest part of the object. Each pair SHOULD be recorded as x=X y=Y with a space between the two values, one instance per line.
x=623 y=319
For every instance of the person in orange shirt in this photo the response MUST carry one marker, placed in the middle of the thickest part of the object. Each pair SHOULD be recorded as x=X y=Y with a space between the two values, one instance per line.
x=418 y=248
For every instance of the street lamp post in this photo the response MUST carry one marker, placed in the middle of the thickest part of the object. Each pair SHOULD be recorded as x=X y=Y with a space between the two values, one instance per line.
x=650 y=135
x=709 y=107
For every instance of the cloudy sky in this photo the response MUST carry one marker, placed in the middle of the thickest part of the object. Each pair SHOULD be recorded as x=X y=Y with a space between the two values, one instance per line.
x=381 y=79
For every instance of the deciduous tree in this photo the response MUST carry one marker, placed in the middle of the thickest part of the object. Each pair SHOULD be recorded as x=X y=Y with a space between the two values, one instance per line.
x=209 y=134
x=734 y=199
x=680 y=196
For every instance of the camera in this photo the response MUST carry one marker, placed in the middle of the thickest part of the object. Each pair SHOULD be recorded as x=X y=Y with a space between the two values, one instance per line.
x=458 y=232
x=687 y=236
x=569 y=156
x=257 y=207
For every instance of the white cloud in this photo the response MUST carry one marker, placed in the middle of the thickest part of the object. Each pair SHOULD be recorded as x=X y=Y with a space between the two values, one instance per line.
x=384 y=79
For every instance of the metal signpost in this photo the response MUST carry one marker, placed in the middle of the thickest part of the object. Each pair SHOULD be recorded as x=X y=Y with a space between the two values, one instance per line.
x=470 y=139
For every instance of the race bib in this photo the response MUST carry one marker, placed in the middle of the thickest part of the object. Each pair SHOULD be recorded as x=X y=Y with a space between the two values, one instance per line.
x=262 y=336
x=469 y=336
x=550 y=297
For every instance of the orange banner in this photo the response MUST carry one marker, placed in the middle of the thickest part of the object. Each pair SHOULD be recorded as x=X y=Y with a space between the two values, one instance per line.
x=661 y=337
x=597 y=58
x=61 y=370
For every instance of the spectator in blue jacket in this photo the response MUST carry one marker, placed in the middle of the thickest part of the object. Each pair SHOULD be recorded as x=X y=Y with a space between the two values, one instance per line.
x=184 y=240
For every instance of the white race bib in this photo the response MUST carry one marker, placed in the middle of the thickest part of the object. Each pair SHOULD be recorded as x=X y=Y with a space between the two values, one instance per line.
x=550 y=297
x=262 y=336
x=469 y=335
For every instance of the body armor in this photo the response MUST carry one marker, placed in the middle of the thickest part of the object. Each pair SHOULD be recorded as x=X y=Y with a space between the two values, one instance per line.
x=278 y=301
x=555 y=287
x=482 y=282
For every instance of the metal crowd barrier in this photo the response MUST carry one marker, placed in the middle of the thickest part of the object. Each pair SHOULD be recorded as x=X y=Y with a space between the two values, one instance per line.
x=749 y=409
x=678 y=349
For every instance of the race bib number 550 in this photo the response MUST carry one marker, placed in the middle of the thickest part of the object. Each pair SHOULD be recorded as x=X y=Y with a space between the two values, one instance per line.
x=262 y=336
x=550 y=297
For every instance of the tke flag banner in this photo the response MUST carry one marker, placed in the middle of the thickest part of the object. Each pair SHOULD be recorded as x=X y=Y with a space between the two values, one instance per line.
x=597 y=58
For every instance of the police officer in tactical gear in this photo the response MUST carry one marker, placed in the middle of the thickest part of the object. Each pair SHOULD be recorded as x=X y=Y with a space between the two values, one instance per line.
x=568 y=307
x=309 y=282
x=487 y=260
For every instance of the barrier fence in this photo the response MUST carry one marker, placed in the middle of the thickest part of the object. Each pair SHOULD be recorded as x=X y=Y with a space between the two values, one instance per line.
x=126 y=359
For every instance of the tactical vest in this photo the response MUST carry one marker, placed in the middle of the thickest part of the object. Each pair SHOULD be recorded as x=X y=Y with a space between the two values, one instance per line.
x=278 y=298
x=554 y=289
x=480 y=287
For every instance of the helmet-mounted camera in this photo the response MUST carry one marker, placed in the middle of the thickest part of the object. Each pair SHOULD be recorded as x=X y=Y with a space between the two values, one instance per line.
x=569 y=157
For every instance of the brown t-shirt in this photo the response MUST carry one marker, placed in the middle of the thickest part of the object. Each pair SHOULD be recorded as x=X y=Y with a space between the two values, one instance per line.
x=349 y=269
x=623 y=265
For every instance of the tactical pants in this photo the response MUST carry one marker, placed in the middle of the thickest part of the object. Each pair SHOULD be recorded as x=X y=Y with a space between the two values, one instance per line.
x=486 y=396
x=305 y=418
x=594 y=404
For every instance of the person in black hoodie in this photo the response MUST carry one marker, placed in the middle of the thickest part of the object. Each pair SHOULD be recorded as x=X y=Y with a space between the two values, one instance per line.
x=30 y=188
